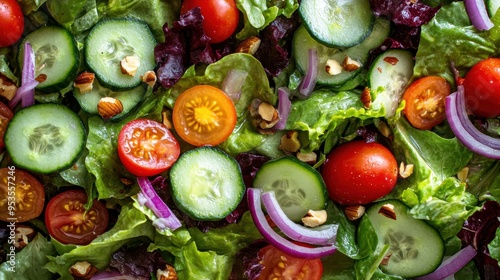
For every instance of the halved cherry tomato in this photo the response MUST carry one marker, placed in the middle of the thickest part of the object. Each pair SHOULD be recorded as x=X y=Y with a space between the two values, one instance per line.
x=220 y=17
x=5 y=117
x=358 y=172
x=147 y=147
x=279 y=265
x=11 y=22
x=204 y=115
x=69 y=222
x=482 y=88
x=22 y=197
x=424 y=101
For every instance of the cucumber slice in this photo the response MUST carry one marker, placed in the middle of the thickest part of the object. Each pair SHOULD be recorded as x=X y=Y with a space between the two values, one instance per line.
x=337 y=23
x=56 y=56
x=207 y=184
x=298 y=187
x=88 y=101
x=45 y=138
x=416 y=248
x=492 y=6
x=302 y=42
x=110 y=41
x=388 y=78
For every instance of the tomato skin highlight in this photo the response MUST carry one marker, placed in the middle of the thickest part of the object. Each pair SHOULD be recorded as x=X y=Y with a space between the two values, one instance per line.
x=425 y=101
x=279 y=265
x=11 y=22
x=220 y=17
x=5 y=116
x=358 y=172
x=147 y=147
x=204 y=115
x=482 y=88
x=68 y=221
x=26 y=189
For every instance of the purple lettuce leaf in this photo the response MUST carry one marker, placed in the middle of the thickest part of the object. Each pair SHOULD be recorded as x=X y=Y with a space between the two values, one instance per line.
x=137 y=262
x=404 y=12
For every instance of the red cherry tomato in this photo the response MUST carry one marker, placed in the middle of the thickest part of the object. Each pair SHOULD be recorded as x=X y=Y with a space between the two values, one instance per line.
x=220 y=17
x=482 y=88
x=11 y=22
x=279 y=265
x=69 y=222
x=147 y=147
x=358 y=172
x=5 y=117
x=28 y=193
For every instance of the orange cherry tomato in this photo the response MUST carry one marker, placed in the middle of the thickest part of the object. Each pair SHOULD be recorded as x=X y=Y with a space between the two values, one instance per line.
x=424 y=101
x=204 y=115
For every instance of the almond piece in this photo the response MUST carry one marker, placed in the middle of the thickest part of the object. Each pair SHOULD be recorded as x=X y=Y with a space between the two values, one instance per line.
x=109 y=107
x=309 y=158
x=7 y=88
x=333 y=67
x=84 y=82
x=149 y=78
x=82 y=270
x=387 y=210
x=314 y=218
x=350 y=64
x=130 y=64
x=250 y=45
x=354 y=212
x=289 y=142
x=405 y=170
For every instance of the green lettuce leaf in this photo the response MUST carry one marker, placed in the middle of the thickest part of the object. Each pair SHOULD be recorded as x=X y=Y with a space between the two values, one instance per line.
x=494 y=247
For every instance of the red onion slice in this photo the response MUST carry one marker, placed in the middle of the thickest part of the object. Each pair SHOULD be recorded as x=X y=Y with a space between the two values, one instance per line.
x=284 y=106
x=166 y=218
x=478 y=15
x=26 y=92
x=317 y=236
x=277 y=240
x=233 y=82
x=451 y=265
x=307 y=84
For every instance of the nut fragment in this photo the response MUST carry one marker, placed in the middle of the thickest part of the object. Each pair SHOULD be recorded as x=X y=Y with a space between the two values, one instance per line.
x=463 y=174
x=350 y=64
x=7 y=88
x=354 y=212
x=23 y=235
x=84 y=82
x=366 y=97
x=268 y=114
x=387 y=210
x=109 y=107
x=126 y=181
x=384 y=129
x=314 y=218
x=149 y=78
x=333 y=67
x=289 y=142
x=130 y=64
x=166 y=119
x=168 y=273
x=82 y=270
x=310 y=158
x=385 y=260
x=405 y=170
x=249 y=45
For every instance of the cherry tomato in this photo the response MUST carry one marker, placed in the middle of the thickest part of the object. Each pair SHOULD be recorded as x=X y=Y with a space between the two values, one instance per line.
x=220 y=17
x=358 y=172
x=147 y=147
x=424 y=100
x=279 y=265
x=482 y=88
x=69 y=222
x=22 y=196
x=204 y=115
x=5 y=117
x=11 y=22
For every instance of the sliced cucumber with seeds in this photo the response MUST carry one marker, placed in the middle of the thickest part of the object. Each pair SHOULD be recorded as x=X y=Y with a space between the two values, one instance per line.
x=298 y=187
x=337 y=23
x=415 y=247
x=207 y=184
x=302 y=42
x=111 y=41
x=56 y=56
x=129 y=98
x=45 y=138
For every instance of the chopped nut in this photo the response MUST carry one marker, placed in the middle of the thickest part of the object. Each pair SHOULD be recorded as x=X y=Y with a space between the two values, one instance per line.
x=249 y=45
x=384 y=129
x=391 y=60
x=333 y=67
x=41 y=78
x=23 y=235
x=310 y=158
x=149 y=78
x=289 y=142
x=463 y=174
x=84 y=82
x=405 y=170
x=366 y=98
x=7 y=88
x=314 y=218
x=385 y=260
x=350 y=64
x=268 y=114
x=82 y=270
x=109 y=107
x=126 y=181
x=130 y=64
x=168 y=273
x=165 y=118
x=388 y=211
x=354 y=212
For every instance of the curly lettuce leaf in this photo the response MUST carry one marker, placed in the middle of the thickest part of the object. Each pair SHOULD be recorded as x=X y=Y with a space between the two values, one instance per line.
x=494 y=247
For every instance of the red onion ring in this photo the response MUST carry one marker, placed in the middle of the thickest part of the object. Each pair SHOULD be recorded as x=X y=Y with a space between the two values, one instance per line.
x=26 y=92
x=478 y=15
x=451 y=265
x=307 y=84
x=284 y=106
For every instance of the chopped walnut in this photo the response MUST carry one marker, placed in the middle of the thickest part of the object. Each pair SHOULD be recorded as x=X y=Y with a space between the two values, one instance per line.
x=366 y=98
x=314 y=218
x=289 y=142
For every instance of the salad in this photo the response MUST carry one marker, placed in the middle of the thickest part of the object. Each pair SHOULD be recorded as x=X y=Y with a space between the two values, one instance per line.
x=223 y=139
